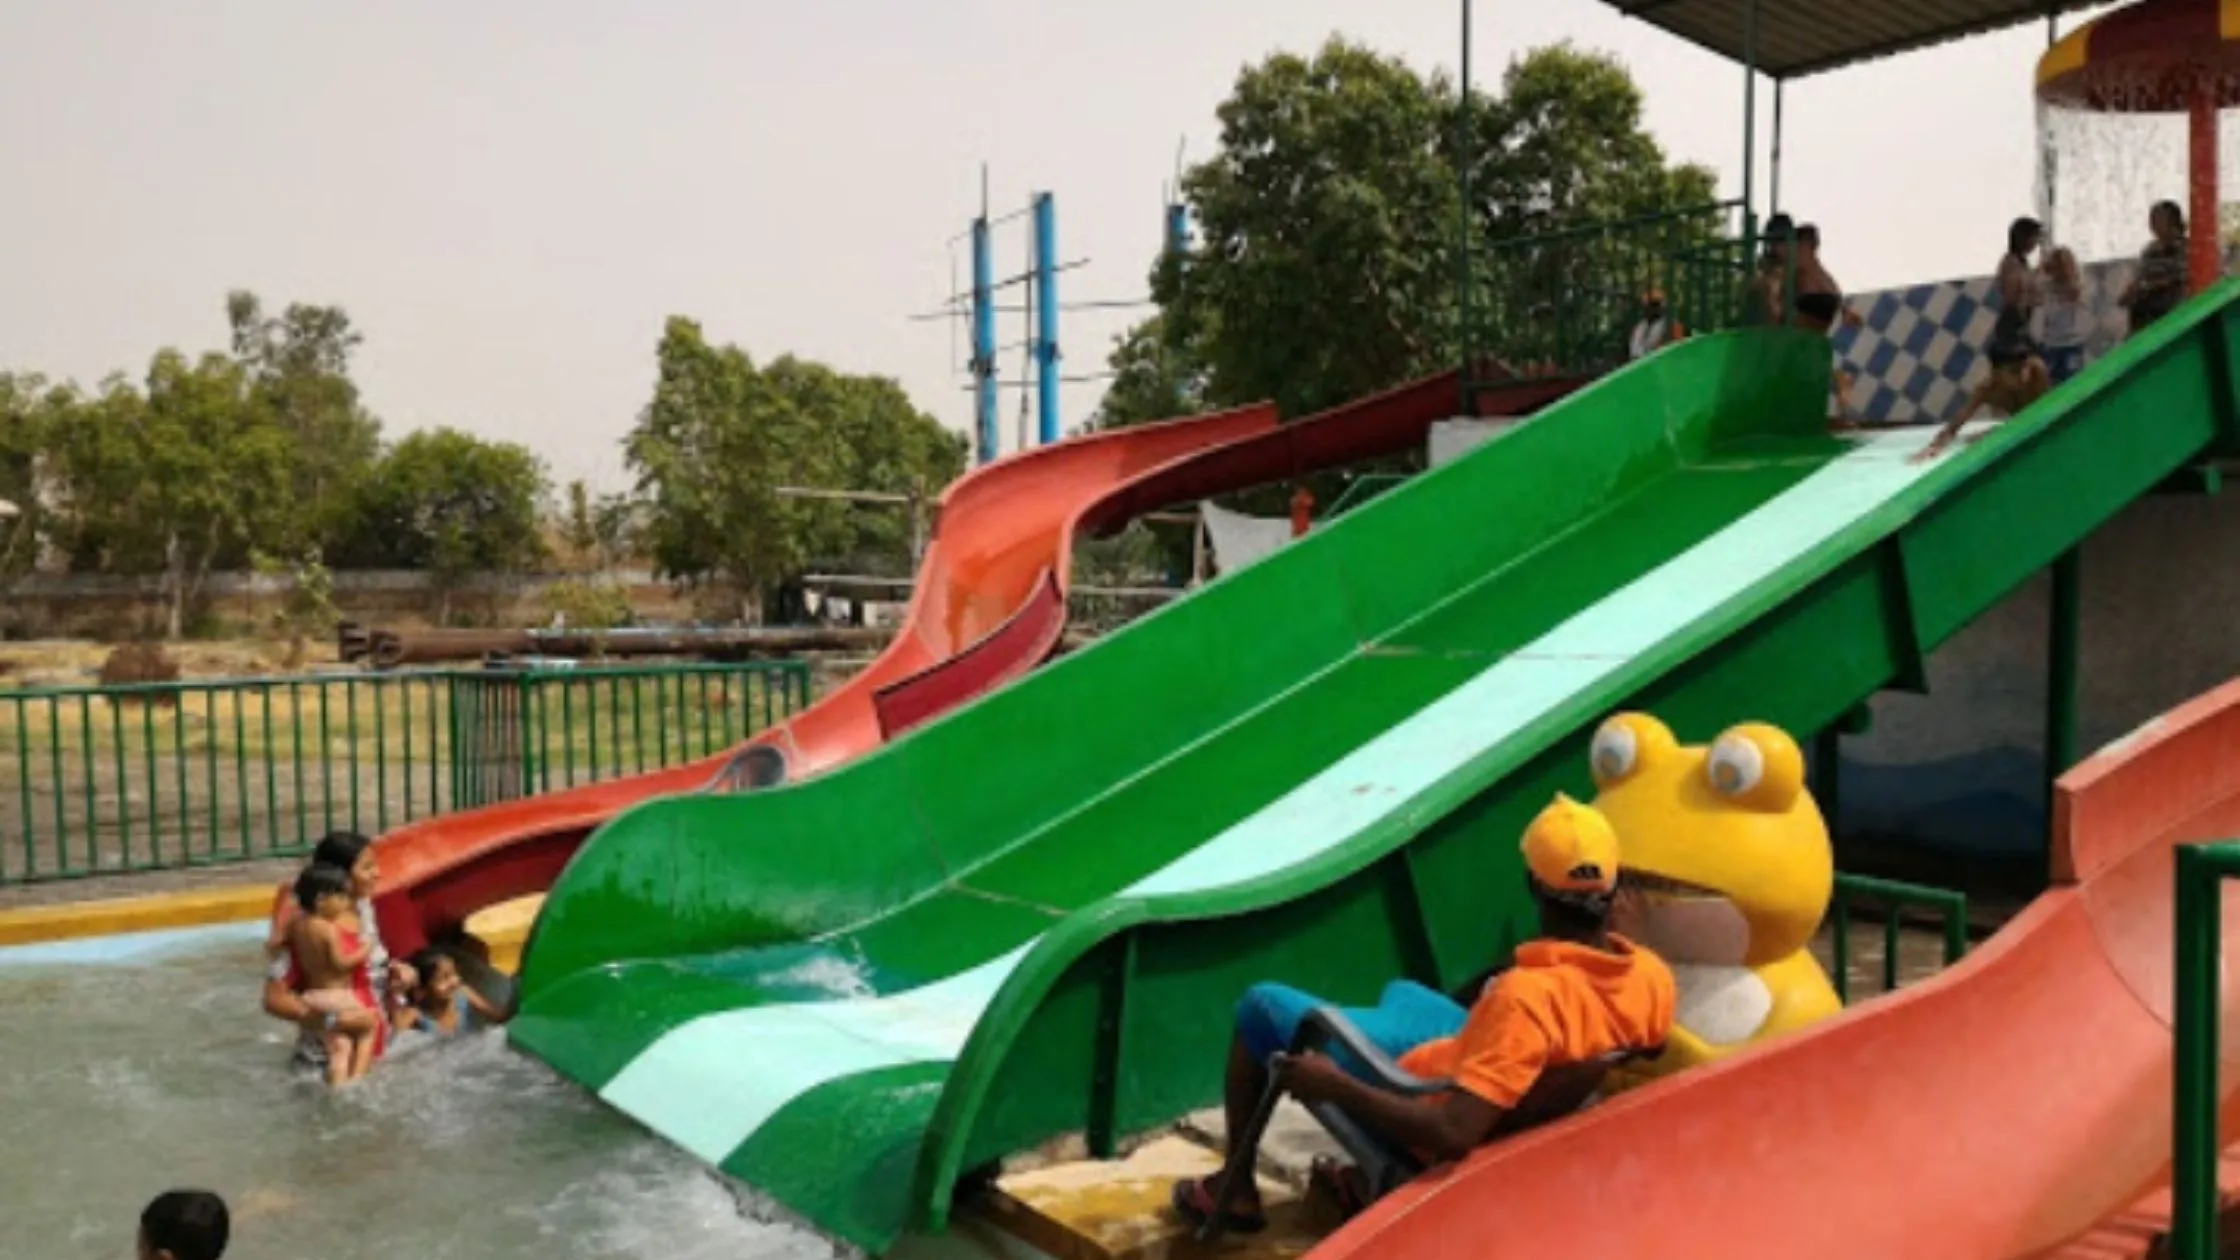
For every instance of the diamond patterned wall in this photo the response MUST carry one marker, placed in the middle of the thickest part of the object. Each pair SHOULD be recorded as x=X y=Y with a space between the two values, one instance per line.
x=1919 y=350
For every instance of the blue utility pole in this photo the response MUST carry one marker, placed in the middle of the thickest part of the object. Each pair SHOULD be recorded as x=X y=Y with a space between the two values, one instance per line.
x=1046 y=316
x=984 y=337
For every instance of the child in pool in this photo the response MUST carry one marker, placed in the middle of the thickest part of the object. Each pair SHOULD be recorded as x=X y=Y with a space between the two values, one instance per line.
x=332 y=959
x=442 y=1004
x=184 y=1225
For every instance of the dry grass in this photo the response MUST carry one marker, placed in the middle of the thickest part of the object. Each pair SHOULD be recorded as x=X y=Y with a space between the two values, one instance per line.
x=232 y=770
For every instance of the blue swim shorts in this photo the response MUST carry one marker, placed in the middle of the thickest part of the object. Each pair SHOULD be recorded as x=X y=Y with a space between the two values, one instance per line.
x=1406 y=1016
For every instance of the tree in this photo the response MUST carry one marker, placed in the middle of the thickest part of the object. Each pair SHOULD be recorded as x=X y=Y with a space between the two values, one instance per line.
x=722 y=438
x=1153 y=378
x=890 y=447
x=599 y=531
x=615 y=524
x=579 y=529
x=454 y=505
x=168 y=481
x=30 y=408
x=298 y=364
x=1328 y=217
x=306 y=608
x=1562 y=146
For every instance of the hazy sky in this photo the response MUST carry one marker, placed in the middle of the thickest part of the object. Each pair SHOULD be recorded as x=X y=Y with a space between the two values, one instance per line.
x=509 y=197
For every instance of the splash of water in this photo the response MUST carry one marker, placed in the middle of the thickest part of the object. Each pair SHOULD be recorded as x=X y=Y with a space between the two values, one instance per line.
x=2099 y=173
x=2100 y=169
x=120 y=1081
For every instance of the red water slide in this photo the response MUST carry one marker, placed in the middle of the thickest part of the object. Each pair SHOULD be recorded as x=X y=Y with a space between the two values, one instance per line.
x=989 y=605
x=992 y=573
x=2016 y=1105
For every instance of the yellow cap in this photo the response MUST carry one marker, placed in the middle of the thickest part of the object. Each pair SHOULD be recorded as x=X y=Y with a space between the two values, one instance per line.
x=1570 y=847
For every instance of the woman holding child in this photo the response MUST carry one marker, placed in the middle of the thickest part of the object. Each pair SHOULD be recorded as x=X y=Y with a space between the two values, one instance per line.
x=347 y=859
x=331 y=976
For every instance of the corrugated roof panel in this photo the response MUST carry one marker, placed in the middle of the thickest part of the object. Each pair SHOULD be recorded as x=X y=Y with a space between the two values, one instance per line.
x=1801 y=37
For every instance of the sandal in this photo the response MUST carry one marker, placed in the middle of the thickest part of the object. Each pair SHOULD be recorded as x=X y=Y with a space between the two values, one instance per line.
x=1194 y=1202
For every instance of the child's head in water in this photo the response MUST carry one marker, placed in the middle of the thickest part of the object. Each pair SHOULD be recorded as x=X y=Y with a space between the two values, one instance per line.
x=439 y=979
x=324 y=891
x=184 y=1225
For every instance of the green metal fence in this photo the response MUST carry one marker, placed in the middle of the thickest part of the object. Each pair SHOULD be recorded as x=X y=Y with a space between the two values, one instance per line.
x=1897 y=902
x=96 y=780
x=1567 y=301
x=2202 y=870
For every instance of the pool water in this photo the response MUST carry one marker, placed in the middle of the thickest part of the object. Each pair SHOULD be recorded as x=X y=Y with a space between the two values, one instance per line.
x=121 y=1080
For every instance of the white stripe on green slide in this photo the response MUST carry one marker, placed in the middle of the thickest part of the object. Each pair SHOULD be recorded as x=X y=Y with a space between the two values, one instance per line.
x=712 y=1083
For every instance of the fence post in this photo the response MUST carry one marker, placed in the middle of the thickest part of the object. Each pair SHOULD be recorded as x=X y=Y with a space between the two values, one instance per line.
x=461 y=695
x=2200 y=946
x=529 y=729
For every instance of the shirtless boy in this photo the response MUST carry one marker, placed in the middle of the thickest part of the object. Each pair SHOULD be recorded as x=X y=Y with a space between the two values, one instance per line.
x=332 y=957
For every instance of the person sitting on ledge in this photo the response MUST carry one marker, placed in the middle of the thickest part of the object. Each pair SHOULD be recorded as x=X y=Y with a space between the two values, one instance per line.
x=1579 y=993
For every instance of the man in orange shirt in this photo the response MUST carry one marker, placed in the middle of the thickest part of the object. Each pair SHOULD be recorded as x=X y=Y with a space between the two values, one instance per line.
x=1578 y=993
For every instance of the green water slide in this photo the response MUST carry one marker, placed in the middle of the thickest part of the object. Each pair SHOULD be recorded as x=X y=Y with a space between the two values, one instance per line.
x=1032 y=916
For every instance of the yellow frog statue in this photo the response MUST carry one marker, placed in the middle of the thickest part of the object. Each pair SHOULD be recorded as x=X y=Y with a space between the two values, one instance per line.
x=1727 y=870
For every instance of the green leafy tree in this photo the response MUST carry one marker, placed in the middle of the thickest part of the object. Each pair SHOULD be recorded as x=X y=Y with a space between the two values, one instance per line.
x=711 y=451
x=1559 y=148
x=298 y=364
x=598 y=530
x=890 y=447
x=1325 y=219
x=615 y=522
x=455 y=506
x=722 y=440
x=578 y=529
x=1154 y=377
x=307 y=605
x=30 y=411
x=1562 y=144
x=1328 y=218
x=168 y=481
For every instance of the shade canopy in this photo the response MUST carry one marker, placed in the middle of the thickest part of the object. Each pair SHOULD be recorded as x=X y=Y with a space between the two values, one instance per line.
x=1800 y=37
x=2158 y=56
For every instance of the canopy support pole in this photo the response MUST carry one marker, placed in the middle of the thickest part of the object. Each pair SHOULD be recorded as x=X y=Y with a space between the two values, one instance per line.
x=1774 y=198
x=1749 y=110
x=2202 y=259
x=1465 y=134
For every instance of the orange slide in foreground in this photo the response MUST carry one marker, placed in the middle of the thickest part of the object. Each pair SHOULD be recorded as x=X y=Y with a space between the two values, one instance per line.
x=2016 y=1105
x=991 y=584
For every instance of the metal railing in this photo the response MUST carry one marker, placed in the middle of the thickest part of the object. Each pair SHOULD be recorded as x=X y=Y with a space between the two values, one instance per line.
x=2201 y=873
x=1360 y=490
x=101 y=780
x=1897 y=901
x=1566 y=302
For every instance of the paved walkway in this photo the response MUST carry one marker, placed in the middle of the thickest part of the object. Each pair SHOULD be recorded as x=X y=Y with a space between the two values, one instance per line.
x=147 y=883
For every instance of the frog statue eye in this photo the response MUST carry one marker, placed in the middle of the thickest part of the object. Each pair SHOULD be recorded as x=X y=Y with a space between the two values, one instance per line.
x=1757 y=766
x=1624 y=744
x=1735 y=765
x=1616 y=750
